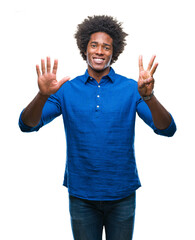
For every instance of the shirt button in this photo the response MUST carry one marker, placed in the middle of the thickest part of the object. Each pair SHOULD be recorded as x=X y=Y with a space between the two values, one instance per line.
x=99 y=86
x=98 y=96
x=98 y=106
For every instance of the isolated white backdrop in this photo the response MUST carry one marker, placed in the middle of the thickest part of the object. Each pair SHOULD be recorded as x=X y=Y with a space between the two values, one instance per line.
x=33 y=202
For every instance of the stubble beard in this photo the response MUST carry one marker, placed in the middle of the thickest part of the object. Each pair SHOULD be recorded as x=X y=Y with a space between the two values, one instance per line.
x=98 y=70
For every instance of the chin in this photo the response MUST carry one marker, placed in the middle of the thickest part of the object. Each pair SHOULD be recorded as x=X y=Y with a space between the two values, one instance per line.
x=99 y=68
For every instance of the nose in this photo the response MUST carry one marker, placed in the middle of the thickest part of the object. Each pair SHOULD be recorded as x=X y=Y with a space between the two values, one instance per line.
x=99 y=50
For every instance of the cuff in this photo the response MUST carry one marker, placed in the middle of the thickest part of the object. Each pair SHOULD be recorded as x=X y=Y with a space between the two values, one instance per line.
x=168 y=132
x=25 y=128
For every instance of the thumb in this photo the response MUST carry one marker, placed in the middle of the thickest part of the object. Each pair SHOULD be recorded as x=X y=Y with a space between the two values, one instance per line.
x=63 y=80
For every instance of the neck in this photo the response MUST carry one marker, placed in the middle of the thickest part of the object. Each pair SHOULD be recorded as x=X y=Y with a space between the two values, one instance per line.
x=98 y=75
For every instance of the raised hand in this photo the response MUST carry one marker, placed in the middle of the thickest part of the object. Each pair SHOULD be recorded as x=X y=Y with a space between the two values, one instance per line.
x=47 y=80
x=146 y=80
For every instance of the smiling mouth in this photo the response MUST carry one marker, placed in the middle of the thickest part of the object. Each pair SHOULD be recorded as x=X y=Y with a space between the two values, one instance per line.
x=98 y=60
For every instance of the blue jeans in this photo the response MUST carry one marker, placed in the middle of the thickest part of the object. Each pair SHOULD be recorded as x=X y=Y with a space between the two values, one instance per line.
x=89 y=217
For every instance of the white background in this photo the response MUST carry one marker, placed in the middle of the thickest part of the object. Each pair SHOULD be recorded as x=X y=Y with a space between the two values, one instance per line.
x=33 y=202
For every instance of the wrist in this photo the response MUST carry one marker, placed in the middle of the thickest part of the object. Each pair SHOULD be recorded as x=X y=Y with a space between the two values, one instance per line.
x=42 y=96
x=148 y=97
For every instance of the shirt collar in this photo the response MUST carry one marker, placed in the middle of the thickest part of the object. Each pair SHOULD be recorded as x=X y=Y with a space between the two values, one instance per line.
x=110 y=75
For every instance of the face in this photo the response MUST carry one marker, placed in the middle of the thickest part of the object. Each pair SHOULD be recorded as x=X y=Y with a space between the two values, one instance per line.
x=99 y=52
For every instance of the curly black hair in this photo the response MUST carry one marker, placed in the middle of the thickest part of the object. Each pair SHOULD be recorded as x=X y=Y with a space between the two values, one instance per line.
x=105 y=24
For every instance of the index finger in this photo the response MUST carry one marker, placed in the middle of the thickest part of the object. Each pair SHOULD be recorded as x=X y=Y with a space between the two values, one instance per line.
x=55 y=66
x=141 y=68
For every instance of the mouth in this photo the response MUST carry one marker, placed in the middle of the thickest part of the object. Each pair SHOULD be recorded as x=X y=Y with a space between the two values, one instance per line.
x=98 y=60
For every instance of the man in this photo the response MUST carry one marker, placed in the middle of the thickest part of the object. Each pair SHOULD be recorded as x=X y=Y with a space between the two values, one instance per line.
x=99 y=110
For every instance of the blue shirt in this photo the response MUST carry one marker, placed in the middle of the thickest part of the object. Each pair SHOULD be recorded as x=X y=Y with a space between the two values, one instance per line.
x=99 y=122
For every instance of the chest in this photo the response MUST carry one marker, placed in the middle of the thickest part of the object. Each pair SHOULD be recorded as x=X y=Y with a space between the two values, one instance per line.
x=100 y=99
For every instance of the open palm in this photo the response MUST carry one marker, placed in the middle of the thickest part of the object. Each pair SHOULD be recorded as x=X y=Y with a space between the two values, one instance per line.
x=47 y=81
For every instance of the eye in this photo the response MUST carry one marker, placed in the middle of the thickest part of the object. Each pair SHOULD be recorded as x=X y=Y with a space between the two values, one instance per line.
x=93 y=45
x=107 y=47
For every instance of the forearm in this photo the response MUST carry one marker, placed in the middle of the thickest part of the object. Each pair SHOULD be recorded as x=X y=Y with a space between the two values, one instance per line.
x=31 y=115
x=161 y=117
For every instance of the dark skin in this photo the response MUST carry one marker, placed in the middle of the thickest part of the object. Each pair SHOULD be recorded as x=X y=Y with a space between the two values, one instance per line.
x=99 y=55
x=99 y=52
x=160 y=115
x=48 y=85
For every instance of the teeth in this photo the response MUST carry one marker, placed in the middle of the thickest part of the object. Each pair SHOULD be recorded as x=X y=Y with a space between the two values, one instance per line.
x=98 y=60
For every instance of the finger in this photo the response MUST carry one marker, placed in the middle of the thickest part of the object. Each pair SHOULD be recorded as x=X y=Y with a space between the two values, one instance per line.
x=48 y=64
x=151 y=63
x=147 y=81
x=154 y=69
x=38 y=70
x=63 y=80
x=141 y=84
x=55 y=66
x=141 y=68
x=43 y=66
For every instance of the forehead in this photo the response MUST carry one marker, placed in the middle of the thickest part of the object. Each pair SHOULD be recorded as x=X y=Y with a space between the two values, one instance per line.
x=101 y=37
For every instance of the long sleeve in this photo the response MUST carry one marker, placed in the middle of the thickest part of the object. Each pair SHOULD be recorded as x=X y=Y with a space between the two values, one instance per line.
x=145 y=114
x=51 y=110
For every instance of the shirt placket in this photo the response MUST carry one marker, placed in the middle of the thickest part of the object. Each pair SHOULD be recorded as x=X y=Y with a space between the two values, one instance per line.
x=98 y=100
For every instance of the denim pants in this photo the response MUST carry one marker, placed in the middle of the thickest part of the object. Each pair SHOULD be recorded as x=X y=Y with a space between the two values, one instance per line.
x=89 y=217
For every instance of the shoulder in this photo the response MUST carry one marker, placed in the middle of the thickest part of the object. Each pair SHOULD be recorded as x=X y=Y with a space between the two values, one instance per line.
x=75 y=81
x=126 y=81
x=70 y=86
